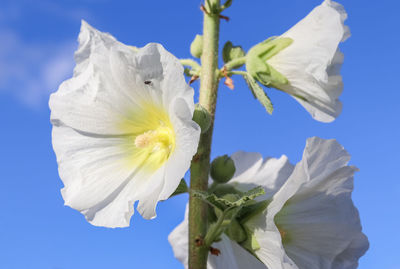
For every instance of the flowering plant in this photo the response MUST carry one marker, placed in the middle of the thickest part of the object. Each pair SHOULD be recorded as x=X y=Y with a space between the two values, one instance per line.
x=126 y=128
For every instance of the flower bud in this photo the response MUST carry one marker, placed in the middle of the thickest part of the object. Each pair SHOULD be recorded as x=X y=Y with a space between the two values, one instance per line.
x=222 y=169
x=196 y=48
x=202 y=117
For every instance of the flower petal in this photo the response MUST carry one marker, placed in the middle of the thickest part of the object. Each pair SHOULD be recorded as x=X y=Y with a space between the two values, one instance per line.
x=232 y=255
x=313 y=210
x=312 y=61
x=95 y=177
x=253 y=171
x=178 y=239
x=348 y=259
x=94 y=125
x=92 y=101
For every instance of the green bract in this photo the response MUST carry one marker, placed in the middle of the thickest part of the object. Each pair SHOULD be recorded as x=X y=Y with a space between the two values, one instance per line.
x=196 y=48
x=222 y=169
x=231 y=52
x=257 y=57
x=259 y=93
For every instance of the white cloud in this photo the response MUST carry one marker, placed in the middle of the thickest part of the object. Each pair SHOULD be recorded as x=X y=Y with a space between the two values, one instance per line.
x=32 y=71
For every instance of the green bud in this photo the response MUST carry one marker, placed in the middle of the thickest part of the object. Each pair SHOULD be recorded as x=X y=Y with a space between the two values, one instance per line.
x=227 y=4
x=222 y=169
x=257 y=61
x=196 y=48
x=202 y=117
x=231 y=52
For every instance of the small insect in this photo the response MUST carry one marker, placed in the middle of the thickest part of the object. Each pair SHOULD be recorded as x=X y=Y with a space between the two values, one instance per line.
x=147 y=82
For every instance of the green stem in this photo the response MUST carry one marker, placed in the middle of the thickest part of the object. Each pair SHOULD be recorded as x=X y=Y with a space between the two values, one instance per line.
x=235 y=63
x=215 y=230
x=192 y=63
x=198 y=252
x=237 y=72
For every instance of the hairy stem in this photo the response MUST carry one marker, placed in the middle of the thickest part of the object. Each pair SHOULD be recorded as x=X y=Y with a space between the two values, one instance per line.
x=198 y=251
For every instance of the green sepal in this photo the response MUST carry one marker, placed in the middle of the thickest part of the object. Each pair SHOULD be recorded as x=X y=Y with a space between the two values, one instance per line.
x=270 y=47
x=257 y=61
x=250 y=244
x=231 y=52
x=259 y=93
x=224 y=219
x=236 y=232
x=251 y=210
x=182 y=188
x=196 y=47
x=223 y=204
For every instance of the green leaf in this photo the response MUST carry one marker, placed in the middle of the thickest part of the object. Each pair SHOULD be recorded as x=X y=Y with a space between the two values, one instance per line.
x=223 y=203
x=182 y=188
x=259 y=93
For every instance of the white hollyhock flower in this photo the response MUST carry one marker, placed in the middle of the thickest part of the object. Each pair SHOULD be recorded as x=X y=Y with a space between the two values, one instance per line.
x=310 y=223
x=251 y=171
x=312 y=62
x=122 y=129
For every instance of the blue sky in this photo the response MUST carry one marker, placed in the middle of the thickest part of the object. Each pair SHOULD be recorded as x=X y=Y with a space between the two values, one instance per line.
x=37 y=40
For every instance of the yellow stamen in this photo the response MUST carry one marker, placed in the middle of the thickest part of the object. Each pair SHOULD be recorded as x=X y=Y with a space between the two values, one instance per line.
x=152 y=137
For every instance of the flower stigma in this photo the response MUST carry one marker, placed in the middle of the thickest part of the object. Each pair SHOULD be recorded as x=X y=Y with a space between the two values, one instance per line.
x=151 y=138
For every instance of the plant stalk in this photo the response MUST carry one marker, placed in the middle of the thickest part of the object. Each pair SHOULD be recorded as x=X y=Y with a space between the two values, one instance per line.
x=199 y=170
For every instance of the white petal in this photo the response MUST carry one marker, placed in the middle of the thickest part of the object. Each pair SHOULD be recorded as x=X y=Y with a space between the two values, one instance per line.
x=232 y=255
x=315 y=210
x=187 y=139
x=92 y=101
x=253 y=171
x=312 y=61
x=321 y=220
x=247 y=164
x=178 y=239
x=110 y=81
x=348 y=259
x=95 y=177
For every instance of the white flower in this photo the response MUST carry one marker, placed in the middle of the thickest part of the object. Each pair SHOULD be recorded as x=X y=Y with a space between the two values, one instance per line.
x=310 y=223
x=312 y=62
x=122 y=129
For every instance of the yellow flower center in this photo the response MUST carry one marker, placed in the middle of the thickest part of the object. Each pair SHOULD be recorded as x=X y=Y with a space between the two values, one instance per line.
x=151 y=138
